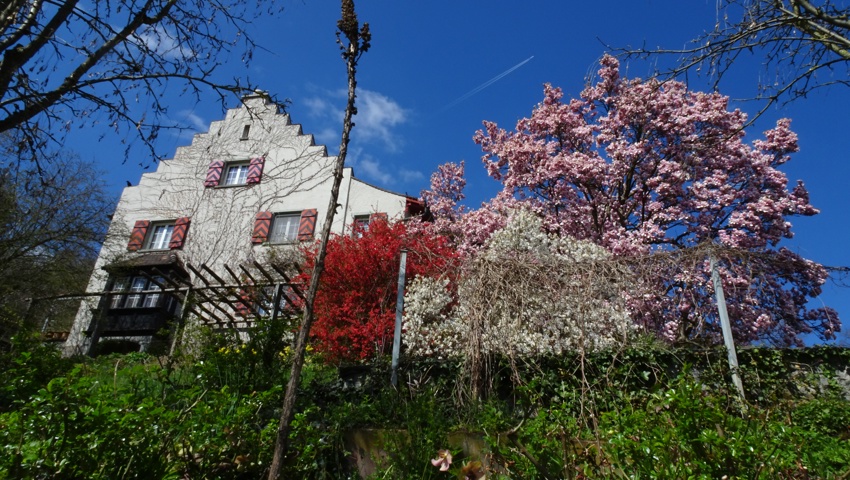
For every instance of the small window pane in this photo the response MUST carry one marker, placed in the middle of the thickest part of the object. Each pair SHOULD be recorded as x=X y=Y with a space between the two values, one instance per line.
x=120 y=285
x=236 y=175
x=134 y=299
x=285 y=228
x=152 y=299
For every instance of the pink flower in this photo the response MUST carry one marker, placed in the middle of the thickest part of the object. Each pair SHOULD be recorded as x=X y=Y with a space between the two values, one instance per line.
x=443 y=460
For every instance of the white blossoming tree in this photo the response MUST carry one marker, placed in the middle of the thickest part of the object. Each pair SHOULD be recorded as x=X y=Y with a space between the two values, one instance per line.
x=526 y=293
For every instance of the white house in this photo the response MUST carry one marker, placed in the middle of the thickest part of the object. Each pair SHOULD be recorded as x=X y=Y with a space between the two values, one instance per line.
x=248 y=189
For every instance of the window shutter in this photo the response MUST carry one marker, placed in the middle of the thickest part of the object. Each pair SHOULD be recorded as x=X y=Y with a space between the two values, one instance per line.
x=242 y=304
x=262 y=224
x=380 y=216
x=178 y=236
x=214 y=174
x=307 y=225
x=255 y=170
x=137 y=238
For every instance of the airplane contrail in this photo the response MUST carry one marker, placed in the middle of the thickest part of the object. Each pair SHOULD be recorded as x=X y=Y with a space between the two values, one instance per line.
x=486 y=84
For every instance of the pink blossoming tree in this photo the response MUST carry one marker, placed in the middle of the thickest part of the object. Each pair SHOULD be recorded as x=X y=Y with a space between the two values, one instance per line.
x=641 y=166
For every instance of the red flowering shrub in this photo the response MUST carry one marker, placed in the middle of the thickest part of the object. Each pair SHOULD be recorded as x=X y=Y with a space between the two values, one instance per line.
x=355 y=305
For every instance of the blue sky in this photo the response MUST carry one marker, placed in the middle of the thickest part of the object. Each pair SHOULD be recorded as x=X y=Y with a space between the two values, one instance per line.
x=435 y=72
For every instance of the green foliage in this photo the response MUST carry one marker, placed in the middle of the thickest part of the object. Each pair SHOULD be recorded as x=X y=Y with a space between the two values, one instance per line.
x=129 y=417
x=28 y=366
x=631 y=414
x=258 y=363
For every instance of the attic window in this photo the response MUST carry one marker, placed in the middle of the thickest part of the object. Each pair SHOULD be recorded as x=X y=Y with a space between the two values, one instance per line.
x=237 y=174
x=245 y=132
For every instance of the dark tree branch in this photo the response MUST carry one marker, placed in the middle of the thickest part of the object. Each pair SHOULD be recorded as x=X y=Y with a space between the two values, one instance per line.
x=61 y=64
x=800 y=39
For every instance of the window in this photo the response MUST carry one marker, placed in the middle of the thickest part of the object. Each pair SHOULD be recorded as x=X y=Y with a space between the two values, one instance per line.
x=134 y=299
x=159 y=236
x=245 y=132
x=117 y=301
x=361 y=222
x=361 y=225
x=140 y=292
x=241 y=172
x=237 y=174
x=285 y=228
x=149 y=235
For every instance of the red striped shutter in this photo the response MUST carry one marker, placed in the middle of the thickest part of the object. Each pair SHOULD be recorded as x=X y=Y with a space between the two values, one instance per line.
x=137 y=238
x=380 y=216
x=307 y=225
x=178 y=236
x=242 y=304
x=214 y=174
x=262 y=224
x=255 y=170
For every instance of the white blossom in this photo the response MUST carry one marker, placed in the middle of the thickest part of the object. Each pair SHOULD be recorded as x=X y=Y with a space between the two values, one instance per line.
x=526 y=293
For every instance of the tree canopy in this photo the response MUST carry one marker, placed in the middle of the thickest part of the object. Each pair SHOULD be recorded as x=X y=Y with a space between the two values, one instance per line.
x=643 y=166
x=52 y=224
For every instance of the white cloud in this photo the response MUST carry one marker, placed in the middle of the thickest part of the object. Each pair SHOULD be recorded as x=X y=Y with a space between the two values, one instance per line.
x=164 y=43
x=321 y=108
x=328 y=137
x=411 y=175
x=189 y=123
x=374 y=170
x=377 y=115
x=195 y=122
x=367 y=167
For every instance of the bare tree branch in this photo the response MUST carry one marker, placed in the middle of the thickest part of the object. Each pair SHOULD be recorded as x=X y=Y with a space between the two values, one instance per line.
x=65 y=63
x=804 y=45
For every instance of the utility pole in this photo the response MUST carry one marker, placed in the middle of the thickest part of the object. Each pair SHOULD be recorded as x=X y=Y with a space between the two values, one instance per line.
x=726 y=326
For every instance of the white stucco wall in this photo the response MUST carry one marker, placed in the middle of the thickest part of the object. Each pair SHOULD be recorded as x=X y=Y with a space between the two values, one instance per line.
x=296 y=177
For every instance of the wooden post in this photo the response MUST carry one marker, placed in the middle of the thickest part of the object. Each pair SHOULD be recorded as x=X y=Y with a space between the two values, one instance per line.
x=726 y=327
x=181 y=323
x=99 y=319
x=399 y=308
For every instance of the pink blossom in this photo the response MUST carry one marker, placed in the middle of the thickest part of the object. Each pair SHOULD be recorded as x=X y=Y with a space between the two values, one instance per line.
x=443 y=460
x=640 y=165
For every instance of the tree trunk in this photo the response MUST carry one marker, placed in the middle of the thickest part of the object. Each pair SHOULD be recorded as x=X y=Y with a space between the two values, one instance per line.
x=358 y=43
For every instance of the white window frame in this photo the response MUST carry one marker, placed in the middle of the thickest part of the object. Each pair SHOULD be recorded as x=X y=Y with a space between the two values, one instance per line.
x=236 y=174
x=159 y=236
x=290 y=233
x=134 y=297
x=120 y=285
x=152 y=299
